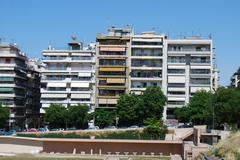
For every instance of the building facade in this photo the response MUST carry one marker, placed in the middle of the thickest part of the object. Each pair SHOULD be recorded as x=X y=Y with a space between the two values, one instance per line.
x=68 y=77
x=190 y=68
x=112 y=66
x=146 y=62
x=235 y=79
x=13 y=81
x=33 y=114
x=128 y=63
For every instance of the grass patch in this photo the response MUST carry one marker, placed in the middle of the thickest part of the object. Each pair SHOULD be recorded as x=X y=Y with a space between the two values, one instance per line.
x=134 y=134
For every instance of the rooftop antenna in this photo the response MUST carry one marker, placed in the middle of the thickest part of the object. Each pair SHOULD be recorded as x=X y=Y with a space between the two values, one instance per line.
x=210 y=36
x=199 y=32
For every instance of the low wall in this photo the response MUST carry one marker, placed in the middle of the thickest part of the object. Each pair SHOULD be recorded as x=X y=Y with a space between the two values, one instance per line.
x=91 y=146
x=97 y=146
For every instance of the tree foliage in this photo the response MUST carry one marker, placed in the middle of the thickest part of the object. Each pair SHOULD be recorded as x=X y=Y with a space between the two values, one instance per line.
x=4 y=116
x=198 y=111
x=56 y=116
x=127 y=110
x=153 y=101
x=155 y=128
x=135 y=109
x=78 y=116
x=59 y=116
x=216 y=109
x=227 y=106
x=104 y=117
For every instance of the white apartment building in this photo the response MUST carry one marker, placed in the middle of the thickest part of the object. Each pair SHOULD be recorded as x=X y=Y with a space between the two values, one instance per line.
x=146 y=62
x=189 y=68
x=68 y=77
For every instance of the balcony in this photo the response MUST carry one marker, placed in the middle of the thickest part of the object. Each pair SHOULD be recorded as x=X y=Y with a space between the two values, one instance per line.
x=146 y=75
x=144 y=64
x=189 y=49
x=56 y=59
x=146 y=52
x=200 y=81
x=86 y=59
x=145 y=84
x=113 y=63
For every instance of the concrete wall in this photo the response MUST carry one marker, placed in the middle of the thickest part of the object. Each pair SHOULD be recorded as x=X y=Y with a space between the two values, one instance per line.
x=113 y=146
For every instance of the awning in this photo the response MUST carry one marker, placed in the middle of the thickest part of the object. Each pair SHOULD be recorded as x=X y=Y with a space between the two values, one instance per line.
x=107 y=101
x=176 y=98
x=120 y=49
x=6 y=89
x=6 y=78
x=55 y=95
x=115 y=80
x=84 y=74
x=201 y=67
x=176 y=79
x=56 y=84
x=176 y=67
x=55 y=54
x=81 y=54
x=80 y=85
x=80 y=96
x=112 y=69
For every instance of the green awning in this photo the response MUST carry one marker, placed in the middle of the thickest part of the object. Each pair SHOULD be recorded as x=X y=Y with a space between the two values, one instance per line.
x=6 y=79
x=4 y=89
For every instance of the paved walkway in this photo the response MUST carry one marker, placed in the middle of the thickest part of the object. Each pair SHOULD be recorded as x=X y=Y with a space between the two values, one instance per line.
x=176 y=157
x=14 y=148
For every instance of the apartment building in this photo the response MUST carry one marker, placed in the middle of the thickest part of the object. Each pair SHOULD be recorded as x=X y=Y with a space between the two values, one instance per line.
x=68 y=77
x=13 y=80
x=112 y=66
x=146 y=62
x=128 y=63
x=33 y=106
x=189 y=68
x=235 y=79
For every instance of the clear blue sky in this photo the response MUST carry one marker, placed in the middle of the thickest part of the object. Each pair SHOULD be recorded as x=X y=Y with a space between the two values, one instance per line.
x=35 y=24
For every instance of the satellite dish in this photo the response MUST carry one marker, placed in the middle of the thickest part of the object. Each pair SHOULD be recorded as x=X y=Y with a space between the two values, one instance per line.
x=74 y=38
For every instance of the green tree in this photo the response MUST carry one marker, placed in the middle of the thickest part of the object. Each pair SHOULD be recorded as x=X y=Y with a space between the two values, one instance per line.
x=198 y=111
x=104 y=117
x=155 y=128
x=127 y=110
x=4 y=116
x=78 y=116
x=151 y=103
x=56 y=116
x=227 y=106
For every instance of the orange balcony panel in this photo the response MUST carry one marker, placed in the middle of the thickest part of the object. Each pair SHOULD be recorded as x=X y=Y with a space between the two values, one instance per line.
x=114 y=49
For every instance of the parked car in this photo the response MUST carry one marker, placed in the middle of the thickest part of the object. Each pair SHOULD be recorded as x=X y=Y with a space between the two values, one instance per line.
x=110 y=127
x=57 y=129
x=2 y=131
x=32 y=130
x=10 y=132
x=93 y=128
x=134 y=126
x=42 y=130
x=72 y=129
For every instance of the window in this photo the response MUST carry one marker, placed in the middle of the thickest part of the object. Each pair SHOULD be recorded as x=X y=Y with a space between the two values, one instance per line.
x=7 y=60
